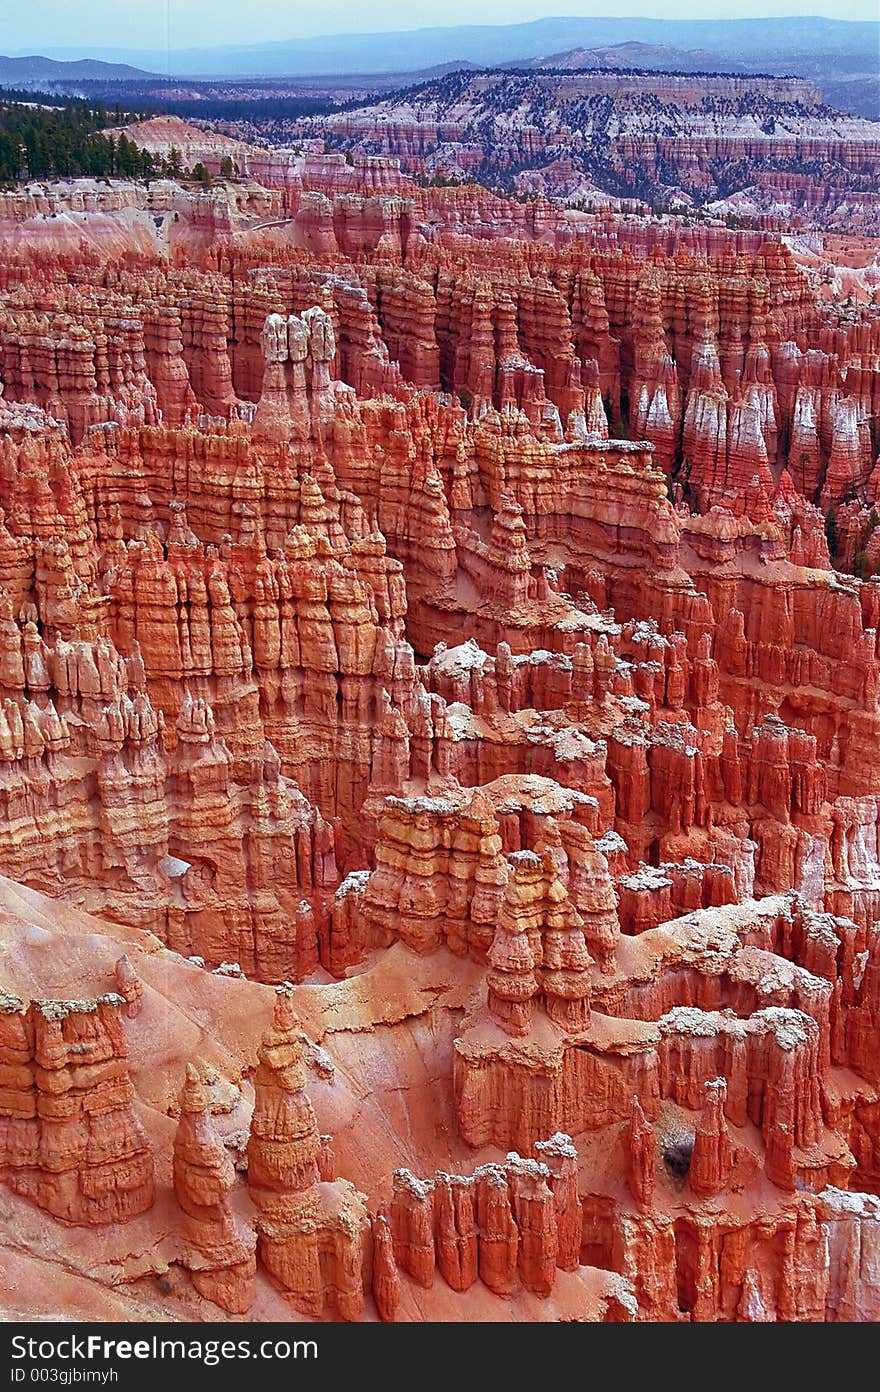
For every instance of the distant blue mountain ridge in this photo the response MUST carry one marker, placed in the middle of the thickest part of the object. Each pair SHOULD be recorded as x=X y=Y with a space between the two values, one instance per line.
x=801 y=42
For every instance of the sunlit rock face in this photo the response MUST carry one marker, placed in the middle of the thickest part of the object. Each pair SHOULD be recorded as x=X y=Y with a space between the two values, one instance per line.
x=438 y=780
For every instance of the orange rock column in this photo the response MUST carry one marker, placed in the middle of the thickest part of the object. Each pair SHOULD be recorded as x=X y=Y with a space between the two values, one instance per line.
x=499 y=1238
x=71 y=1140
x=412 y=1227
x=283 y=1150
x=455 y=1230
x=386 y=1277
x=511 y=977
x=638 y=1140
x=561 y=1157
x=222 y=1260
x=712 y=1156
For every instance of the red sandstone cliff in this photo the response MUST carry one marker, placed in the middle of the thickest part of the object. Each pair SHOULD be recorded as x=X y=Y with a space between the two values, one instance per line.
x=343 y=645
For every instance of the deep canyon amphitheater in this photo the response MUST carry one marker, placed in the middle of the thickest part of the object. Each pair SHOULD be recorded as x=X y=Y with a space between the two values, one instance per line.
x=439 y=838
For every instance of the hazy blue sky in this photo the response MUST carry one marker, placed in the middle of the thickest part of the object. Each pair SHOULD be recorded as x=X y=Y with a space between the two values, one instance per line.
x=36 y=25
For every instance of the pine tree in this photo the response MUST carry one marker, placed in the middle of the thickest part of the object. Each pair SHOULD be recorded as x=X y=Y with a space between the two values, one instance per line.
x=831 y=532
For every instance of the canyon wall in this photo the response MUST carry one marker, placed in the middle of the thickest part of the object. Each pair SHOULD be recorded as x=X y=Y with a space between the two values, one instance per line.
x=455 y=823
